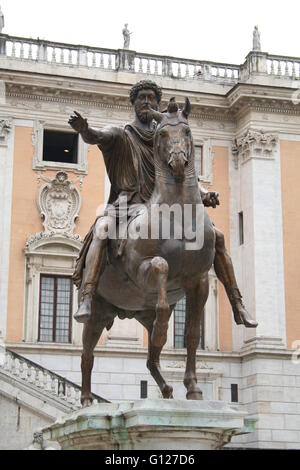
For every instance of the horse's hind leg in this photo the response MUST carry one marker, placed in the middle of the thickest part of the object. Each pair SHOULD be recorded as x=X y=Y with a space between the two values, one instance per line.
x=196 y=298
x=153 y=356
x=91 y=333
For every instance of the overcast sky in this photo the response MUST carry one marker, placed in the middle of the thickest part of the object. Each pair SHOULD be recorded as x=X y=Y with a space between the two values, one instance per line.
x=212 y=30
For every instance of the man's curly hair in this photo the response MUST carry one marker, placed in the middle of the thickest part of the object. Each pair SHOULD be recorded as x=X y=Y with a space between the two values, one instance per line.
x=145 y=85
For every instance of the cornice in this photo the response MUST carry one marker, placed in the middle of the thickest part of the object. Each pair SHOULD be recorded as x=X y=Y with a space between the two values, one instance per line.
x=249 y=97
x=23 y=92
x=263 y=91
x=264 y=99
x=101 y=101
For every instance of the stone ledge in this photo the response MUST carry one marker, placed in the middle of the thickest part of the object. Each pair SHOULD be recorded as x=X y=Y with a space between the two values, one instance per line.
x=238 y=356
x=150 y=424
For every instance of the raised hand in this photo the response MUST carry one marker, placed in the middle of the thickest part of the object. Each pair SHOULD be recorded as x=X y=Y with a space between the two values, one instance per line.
x=211 y=199
x=78 y=123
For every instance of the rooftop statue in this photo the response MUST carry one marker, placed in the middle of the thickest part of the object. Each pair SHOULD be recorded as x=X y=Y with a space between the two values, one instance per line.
x=1 y=20
x=256 y=39
x=124 y=269
x=126 y=36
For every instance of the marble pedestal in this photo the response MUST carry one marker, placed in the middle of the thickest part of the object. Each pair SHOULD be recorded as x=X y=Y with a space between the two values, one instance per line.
x=149 y=425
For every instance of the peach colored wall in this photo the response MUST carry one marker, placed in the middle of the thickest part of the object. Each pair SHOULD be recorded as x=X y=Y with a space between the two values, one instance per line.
x=221 y=218
x=26 y=219
x=92 y=194
x=290 y=172
x=145 y=338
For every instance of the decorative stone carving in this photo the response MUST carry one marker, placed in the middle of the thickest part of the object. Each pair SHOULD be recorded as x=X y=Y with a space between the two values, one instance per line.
x=59 y=203
x=43 y=235
x=5 y=128
x=253 y=144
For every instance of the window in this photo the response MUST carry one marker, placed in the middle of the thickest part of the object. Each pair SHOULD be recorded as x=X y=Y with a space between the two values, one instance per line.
x=144 y=389
x=60 y=147
x=241 y=228
x=179 y=326
x=55 y=309
x=204 y=160
x=234 y=393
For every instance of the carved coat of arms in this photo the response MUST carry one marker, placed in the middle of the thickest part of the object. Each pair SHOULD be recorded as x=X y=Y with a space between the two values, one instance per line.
x=59 y=203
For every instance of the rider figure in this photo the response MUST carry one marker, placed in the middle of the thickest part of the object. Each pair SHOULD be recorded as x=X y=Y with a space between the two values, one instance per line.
x=128 y=156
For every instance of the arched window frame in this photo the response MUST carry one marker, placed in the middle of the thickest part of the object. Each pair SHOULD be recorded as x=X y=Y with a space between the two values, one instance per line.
x=55 y=255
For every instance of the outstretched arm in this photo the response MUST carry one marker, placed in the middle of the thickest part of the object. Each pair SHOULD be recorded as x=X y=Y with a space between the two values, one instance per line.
x=89 y=134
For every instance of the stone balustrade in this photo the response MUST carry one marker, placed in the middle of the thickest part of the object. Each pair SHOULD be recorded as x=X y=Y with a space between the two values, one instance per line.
x=44 y=379
x=284 y=66
x=55 y=53
x=184 y=69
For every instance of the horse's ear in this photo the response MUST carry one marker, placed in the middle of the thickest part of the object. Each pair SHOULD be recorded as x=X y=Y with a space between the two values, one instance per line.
x=172 y=106
x=187 y=108
x=156 y=115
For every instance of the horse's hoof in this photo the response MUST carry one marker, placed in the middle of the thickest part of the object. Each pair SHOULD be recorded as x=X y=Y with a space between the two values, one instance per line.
x=82 y=317
x=249 y=322
x=245 y=320
x=242 y=316
x=84 y=311
x=194 y=394
x=167 y=391
x=86 y=401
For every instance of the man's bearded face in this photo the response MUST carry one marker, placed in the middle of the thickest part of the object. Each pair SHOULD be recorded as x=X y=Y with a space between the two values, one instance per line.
x=145 y=100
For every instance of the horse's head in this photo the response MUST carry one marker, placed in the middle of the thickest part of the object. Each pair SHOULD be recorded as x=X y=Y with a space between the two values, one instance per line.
x=173 y=143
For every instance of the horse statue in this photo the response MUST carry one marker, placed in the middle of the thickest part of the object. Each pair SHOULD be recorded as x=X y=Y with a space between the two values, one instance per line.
x=154 y=273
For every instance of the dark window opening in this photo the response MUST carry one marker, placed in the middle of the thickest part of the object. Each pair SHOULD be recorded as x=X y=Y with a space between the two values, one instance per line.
x=144 y=389
x=241 y=228
x=55 y=318
x=60 y=147
x=234 y=393
x=179 y=326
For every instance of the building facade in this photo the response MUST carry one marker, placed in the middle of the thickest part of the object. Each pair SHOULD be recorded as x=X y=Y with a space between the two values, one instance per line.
x=245 y=122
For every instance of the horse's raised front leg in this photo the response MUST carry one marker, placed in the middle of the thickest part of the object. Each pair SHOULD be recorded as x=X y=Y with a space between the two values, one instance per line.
x=153 y=363
x=153 y=274
x=91 y=333
x=196 y=297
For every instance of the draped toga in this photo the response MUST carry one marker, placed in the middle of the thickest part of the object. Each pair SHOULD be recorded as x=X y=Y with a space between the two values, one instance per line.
x=129 y=163
x=128 y=157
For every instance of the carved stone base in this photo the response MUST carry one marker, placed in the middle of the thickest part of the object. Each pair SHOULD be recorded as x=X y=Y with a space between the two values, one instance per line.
x=149 y=425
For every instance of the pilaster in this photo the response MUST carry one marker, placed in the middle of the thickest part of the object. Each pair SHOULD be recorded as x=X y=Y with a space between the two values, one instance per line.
x=6 y=182
x=257 y=159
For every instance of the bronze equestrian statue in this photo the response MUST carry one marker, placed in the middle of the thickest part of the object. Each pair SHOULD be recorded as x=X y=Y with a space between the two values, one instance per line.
x=144 y=278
